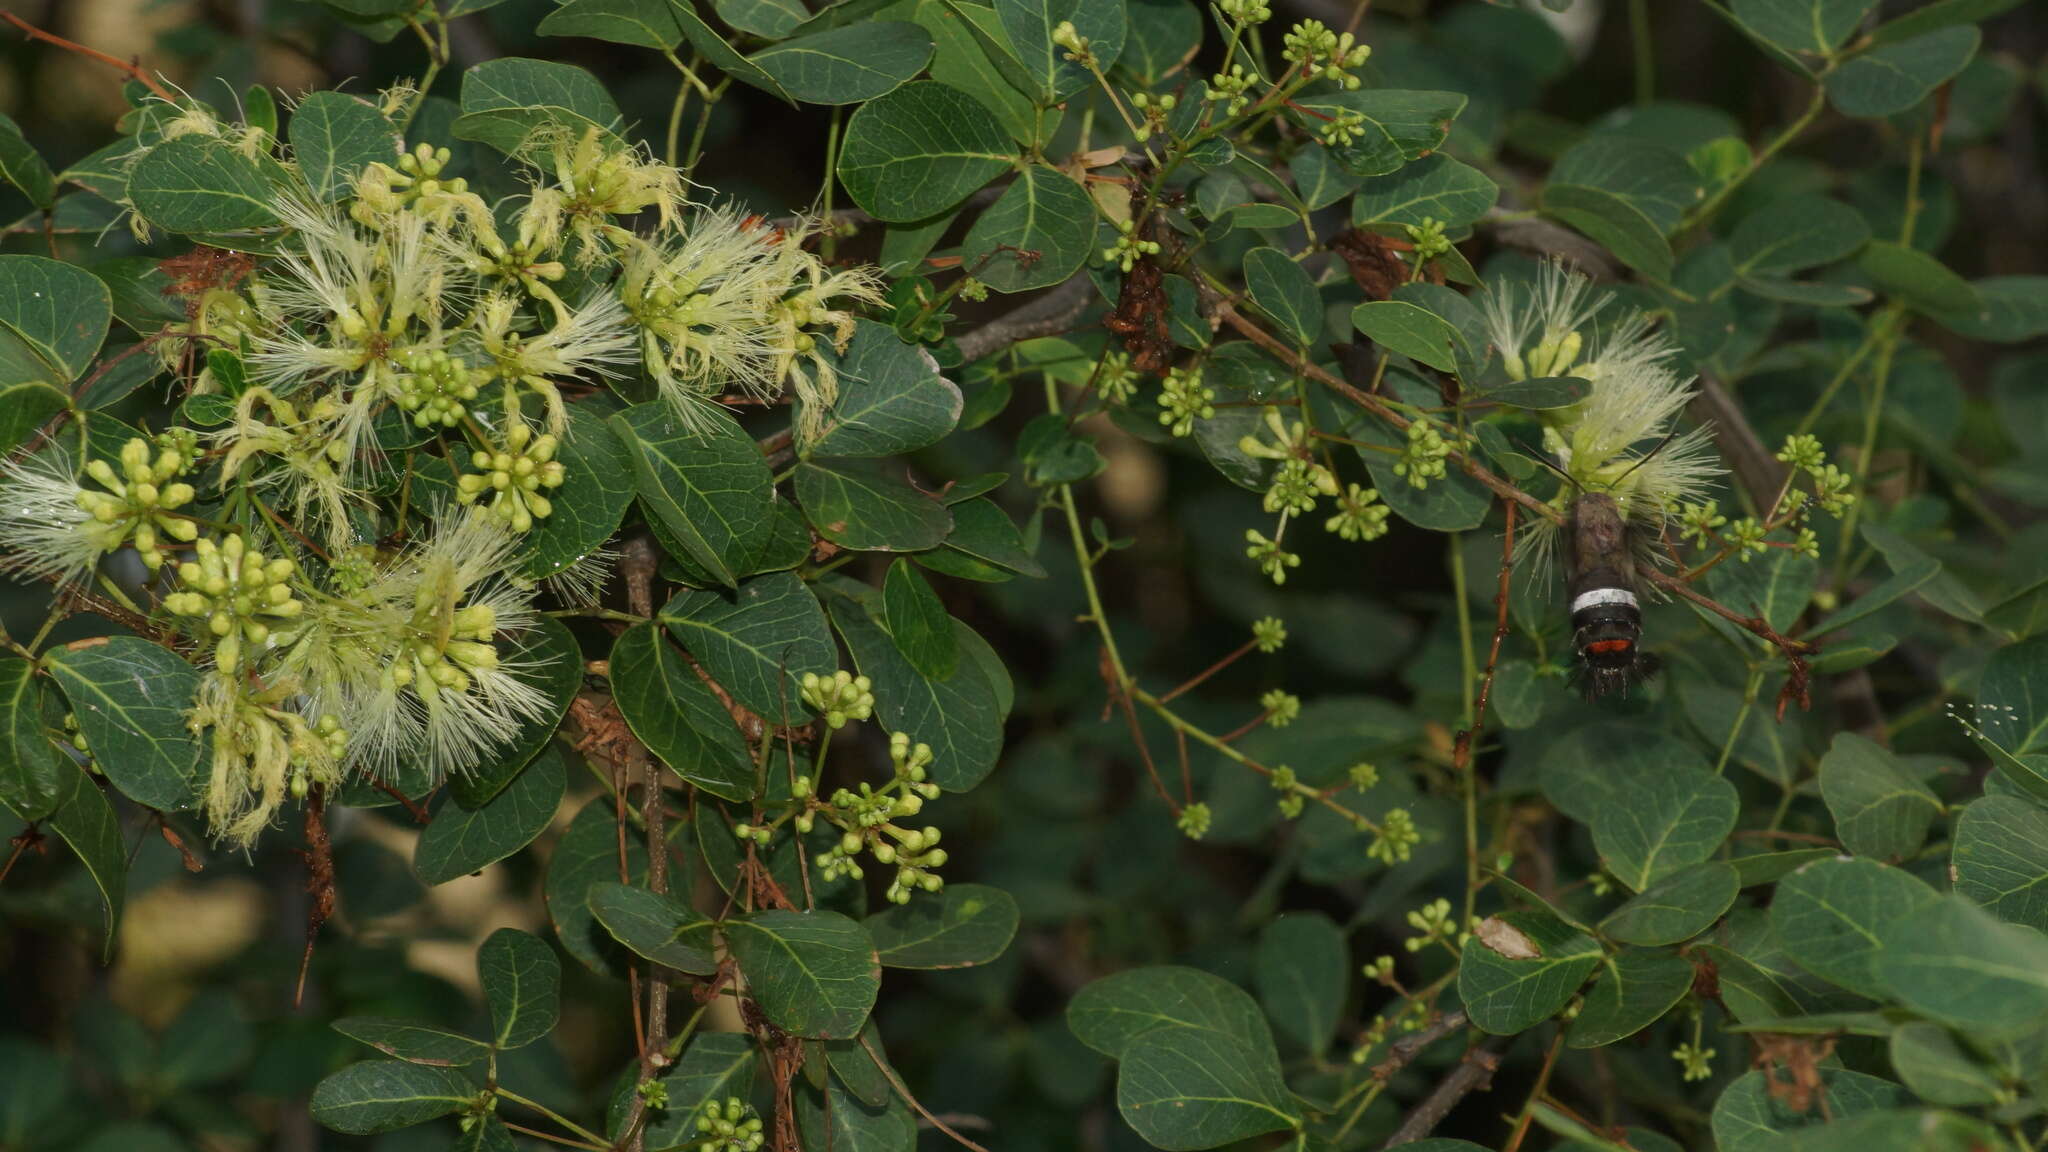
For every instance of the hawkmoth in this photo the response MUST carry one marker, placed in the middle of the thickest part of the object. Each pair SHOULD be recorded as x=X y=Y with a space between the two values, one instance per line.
x=1607 y=619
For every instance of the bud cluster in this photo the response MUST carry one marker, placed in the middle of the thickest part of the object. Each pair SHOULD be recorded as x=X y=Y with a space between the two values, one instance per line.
x=866 y=820
x=239 y=594
x=436 y=389
x=731 y=1126
x=839 y=697
x=515 y=475
x=138 y=500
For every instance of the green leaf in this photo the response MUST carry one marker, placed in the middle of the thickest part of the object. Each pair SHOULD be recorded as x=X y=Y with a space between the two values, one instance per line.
x=504 y=100
x=1880 y=808
x=2001 y=858
x=849 y=64
x=641 y=23
x=199 y=184
x=654 y=926
x=489 y=1133
x=674 y=713
x=1806 y=293
x=1192 y=1042
x=26 y=406
x=1300 y=971
x=772 y=19
x=1658 y=824
x=715 y=1066
x=758 y=642
x=131 y=698
x=1632 y=990
x=375 y=1096
x=1938 y=1069
x=1538 y=392
x=1750 y=1117
x=1892 y=78
x=1284 y=292
x=1399 y=126
x=1411 y=331
x=1817 y=27
x=1113 y=1013
x=1434 y=187
x=553 y=666
x=869 y=505
x=2012 y=704
x=1029 y=26
x=1036 y=235
x=2008 y=309
x=961 y=926
x=722 y=55
x=596 y=490
x=413 y=1043
x=1188 y=1088
x=334 y=136
x=85 y=821
x=983 y=533
x=460 y=840
x=522 y=984
x=1648 y=176
x=838 y=1120
x=891 y=400
x=53 y=317
x=1777 y=586
x=917 y=621
x=1452 y=503
x=22 y=166
x=1796 y=232
x=1614 y=224
x=1923 y=282
x=1951 y=961
x=956 y=716
x=858 y=1072
x=1676 y=908
x=1831 y=915
x=1770 y=867
x=710 y=490
x=920 y=150
x=1520 y=968
x=28 y=763
x=813 y=973
x=1938 y=14
x=1164 y=35
x=586 y=856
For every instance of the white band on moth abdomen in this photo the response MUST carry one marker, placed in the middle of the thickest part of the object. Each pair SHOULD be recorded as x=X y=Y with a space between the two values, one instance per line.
x=1599 y=596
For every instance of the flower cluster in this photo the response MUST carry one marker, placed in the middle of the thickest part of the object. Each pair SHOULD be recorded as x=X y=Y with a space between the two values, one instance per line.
x=866 y=817
x=394 y=426
x=1184 y=399
x=1622 y=438
x=730 y=1125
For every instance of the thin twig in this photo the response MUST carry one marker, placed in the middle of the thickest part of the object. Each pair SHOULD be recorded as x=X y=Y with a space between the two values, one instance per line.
x=132 y=68
x=1521 y=1132
x=896 y=1082
x=1211 y=670
x=23 y=840
x=1048 y=315
x=1408 y=1047
x=1473 y=1073
x=1461 y=755
x=638 y=566
x=1374 y=405
x=1795 y=650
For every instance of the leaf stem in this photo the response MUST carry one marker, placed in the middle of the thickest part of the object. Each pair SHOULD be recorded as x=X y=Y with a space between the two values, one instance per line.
x=595 y=1140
